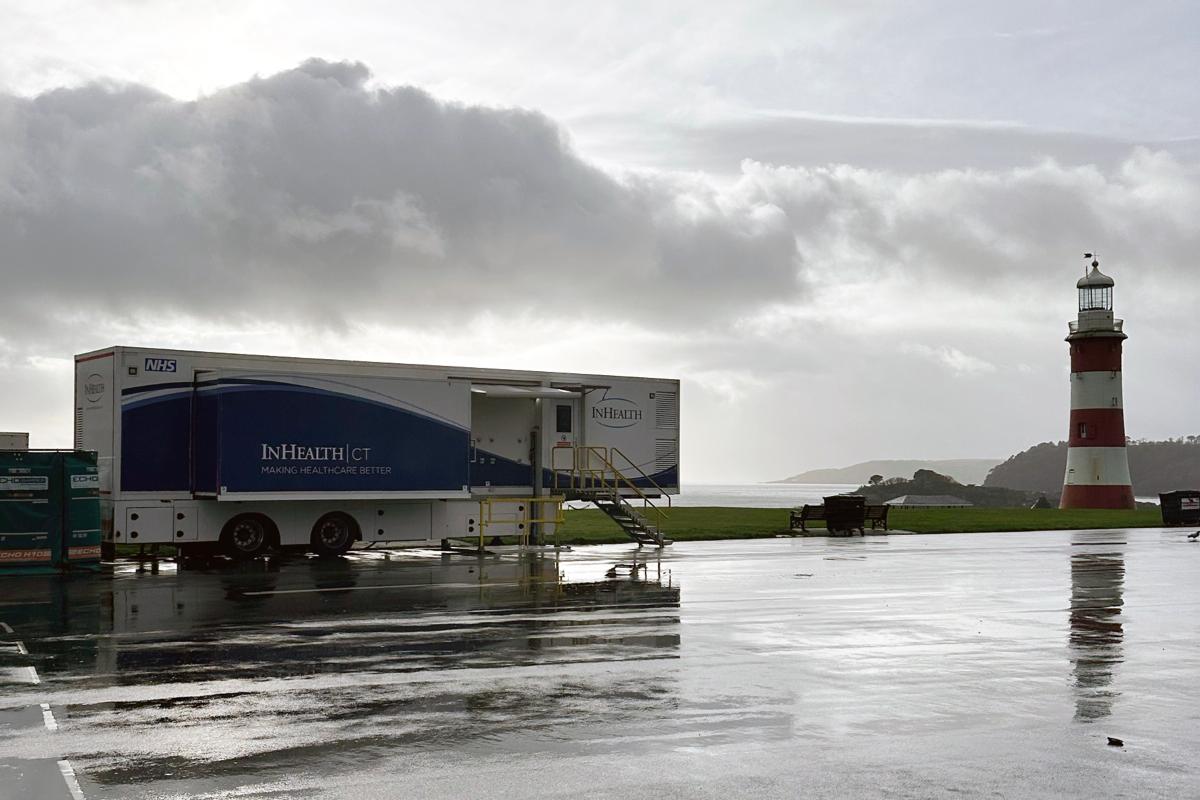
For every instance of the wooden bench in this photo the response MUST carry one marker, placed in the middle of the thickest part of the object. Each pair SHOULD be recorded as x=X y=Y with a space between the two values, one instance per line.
x=799 y=518
x=877 y=516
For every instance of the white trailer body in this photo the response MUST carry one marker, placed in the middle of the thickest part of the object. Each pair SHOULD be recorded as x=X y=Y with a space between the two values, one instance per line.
x=189 y=441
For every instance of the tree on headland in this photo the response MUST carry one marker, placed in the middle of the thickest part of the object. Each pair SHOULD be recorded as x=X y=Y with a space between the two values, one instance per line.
x=928 y=482
x=875 y=480
x=929 y=476
x=1154 y=466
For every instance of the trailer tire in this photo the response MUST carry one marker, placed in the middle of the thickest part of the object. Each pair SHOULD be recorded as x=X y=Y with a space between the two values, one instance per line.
x=334 y=534
x=247 y=536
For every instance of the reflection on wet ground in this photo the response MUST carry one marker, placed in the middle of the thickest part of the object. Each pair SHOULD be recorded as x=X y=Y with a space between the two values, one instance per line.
x=907 y=667
x=324 y=665
x=1097 y=584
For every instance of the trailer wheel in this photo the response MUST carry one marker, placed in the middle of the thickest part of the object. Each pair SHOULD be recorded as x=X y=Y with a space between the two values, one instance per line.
x=334 y=534
x=246 y=536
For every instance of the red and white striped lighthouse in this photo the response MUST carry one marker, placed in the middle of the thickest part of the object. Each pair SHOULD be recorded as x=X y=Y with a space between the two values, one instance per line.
x=1097 y=464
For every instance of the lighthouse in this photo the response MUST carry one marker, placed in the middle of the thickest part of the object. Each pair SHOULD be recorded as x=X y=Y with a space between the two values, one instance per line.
x=1097 y=465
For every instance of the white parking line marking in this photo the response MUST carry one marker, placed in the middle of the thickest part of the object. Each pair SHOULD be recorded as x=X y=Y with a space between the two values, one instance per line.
x=4 y=626
x=48 y=718
x=33 y=676
x=68 y=774
x=16 y=647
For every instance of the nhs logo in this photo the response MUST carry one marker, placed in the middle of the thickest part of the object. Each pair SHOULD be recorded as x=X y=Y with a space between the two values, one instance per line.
x=160 y=365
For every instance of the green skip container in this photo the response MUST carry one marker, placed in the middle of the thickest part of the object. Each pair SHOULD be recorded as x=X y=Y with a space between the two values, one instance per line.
x=49 y=510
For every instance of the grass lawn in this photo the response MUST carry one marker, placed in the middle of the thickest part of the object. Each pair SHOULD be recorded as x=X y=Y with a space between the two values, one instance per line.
x=589 y=526
x=971 y=520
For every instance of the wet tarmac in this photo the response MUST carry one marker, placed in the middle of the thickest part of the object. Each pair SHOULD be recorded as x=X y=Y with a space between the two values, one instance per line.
x=914 y=666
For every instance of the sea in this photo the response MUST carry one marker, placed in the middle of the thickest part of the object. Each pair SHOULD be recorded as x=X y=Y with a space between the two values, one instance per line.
x=757 y=495
x=766 y=495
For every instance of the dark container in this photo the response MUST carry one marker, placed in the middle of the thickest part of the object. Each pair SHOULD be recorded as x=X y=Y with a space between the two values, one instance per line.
x=29 y=538
x=845 y=513
x=81 y=509
x=1180 y=508
x=49 y=510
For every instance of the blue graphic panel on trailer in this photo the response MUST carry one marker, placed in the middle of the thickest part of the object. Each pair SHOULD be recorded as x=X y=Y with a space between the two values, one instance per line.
x=277 y=437
x=155 y=443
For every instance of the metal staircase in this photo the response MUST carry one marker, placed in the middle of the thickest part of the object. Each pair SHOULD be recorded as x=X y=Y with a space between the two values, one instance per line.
x=592 y=476
x=640 y=529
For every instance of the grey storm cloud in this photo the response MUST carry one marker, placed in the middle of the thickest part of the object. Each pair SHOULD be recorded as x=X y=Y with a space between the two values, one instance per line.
x=309 y=195
x=998 y=228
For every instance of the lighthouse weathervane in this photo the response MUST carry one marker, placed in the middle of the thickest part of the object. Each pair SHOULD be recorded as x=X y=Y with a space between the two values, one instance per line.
x=1097 y=473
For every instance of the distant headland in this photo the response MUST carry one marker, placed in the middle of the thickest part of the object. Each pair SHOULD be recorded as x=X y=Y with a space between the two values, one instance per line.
x=963 y=470
x=1156 y=466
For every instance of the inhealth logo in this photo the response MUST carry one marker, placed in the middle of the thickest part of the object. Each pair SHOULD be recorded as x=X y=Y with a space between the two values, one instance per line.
x=93 y=388
x=616 y=412
x=305 y=452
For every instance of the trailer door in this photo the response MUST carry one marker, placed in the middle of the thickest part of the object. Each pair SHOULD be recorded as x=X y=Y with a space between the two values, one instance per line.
x=502 y=435
x=563 y=423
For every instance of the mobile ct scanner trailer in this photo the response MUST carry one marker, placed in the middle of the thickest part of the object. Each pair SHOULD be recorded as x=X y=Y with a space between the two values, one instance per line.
x=255 y=451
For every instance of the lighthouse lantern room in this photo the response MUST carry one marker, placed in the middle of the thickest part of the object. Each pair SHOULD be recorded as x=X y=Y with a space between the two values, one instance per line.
x=1097 y=473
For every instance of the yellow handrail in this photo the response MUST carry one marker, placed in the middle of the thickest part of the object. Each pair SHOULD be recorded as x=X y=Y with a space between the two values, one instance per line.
x=661 y=491
x=591 y=478
x=487 y=514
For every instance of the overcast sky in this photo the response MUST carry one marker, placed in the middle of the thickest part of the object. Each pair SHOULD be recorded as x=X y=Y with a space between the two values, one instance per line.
x=851 y=228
